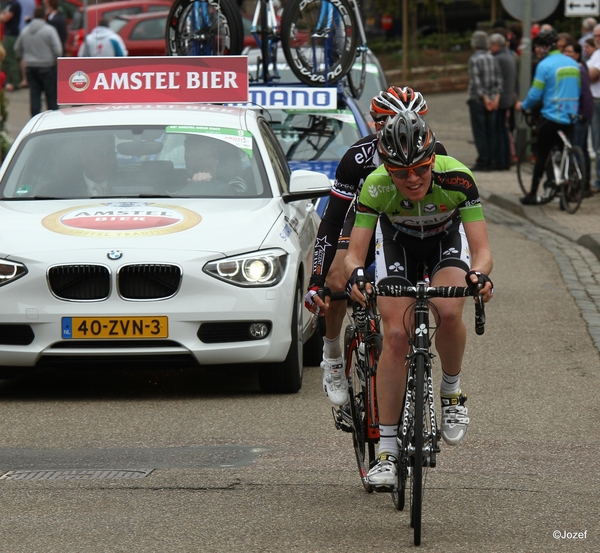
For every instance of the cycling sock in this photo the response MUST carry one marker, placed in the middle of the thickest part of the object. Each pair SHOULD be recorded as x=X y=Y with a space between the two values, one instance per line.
x=387 y=438
x=450 y=384
x=332 y=348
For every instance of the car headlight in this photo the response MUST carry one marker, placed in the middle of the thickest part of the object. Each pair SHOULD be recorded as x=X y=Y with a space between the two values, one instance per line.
x=251 y=269
x=10 y=271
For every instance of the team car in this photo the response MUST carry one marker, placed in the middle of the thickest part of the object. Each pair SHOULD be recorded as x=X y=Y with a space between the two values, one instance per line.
x=171 y=234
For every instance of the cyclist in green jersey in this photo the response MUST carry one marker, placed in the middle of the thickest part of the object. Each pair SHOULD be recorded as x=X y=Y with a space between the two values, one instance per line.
x=424 y=209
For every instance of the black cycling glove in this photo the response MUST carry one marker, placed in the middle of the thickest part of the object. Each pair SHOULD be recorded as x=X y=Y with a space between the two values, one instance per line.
x=481 y=280
x=358 y=277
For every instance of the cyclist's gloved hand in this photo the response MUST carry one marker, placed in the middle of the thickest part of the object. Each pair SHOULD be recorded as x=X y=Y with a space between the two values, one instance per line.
x=313 y=292
x=358 y=277
x=481 y=281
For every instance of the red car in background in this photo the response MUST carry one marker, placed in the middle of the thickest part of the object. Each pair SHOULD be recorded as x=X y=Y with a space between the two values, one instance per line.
x=109 y=10
x=143 y=33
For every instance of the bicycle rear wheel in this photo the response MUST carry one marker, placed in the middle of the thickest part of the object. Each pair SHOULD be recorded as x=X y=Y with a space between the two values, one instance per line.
x=319 y=40
x=204 y=28
x=571 y=191
x=359 y=392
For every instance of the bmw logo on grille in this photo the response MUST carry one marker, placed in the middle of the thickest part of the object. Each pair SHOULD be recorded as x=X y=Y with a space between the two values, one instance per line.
x=115 y=254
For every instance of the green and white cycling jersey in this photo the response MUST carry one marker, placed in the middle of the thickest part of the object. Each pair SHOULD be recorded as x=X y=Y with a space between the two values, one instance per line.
x=452 y=195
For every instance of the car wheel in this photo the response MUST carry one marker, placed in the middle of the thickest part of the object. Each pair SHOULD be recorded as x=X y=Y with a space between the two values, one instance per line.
x=313 y=350
x=286 y=377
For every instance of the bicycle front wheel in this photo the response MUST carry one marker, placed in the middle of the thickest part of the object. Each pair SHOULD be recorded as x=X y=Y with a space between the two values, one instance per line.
x=319 y=40
x=419 y=459
x=204 y=28
x=572 y=190
x=359 y=391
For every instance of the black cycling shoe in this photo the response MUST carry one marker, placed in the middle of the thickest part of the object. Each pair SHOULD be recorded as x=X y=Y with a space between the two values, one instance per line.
x=529 y=199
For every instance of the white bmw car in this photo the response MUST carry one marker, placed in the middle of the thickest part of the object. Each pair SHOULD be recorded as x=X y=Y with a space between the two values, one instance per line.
x=155 y=233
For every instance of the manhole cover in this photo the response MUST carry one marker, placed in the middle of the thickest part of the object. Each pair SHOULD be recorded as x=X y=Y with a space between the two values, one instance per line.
x=74 y=474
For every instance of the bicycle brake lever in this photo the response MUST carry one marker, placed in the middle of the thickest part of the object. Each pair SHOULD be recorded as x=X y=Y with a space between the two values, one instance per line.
x=479 y=315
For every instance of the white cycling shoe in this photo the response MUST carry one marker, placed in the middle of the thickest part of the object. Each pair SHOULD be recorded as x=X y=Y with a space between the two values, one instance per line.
x=335 y=384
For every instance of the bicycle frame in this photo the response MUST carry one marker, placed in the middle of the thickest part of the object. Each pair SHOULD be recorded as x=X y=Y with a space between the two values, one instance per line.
x=561 y=170
x=265 y=16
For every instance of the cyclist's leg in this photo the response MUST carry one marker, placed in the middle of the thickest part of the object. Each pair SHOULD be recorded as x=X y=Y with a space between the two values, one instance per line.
x=546 y=138
x=392 y=265
x=450 y=265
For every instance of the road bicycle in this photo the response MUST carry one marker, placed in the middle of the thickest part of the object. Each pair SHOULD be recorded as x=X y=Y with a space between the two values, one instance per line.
x=320 y=39
x=418 y=433
x=362 y=346
x=564 y=172
x=204 y=28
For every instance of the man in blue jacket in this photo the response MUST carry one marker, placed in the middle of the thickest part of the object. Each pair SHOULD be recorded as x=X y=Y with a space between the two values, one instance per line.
x=557 y=86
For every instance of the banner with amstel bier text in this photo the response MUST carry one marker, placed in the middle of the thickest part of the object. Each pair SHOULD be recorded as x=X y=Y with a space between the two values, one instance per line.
x=169 y=79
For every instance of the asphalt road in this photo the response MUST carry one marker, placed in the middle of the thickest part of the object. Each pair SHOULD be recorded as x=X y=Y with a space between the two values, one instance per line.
x=208 y=463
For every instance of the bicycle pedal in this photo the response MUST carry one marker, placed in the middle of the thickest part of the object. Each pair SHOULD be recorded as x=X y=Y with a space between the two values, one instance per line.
x=383 y=489
x=342 y=419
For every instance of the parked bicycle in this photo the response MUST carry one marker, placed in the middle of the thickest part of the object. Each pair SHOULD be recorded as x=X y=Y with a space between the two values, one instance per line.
x=320 y=39
x=564 y=172
x=418 y=432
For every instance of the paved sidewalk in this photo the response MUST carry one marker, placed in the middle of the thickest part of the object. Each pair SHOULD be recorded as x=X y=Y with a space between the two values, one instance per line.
x=449 y=119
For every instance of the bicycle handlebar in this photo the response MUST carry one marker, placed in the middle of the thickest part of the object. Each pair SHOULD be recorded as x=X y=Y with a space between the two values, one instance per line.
x=424 y=292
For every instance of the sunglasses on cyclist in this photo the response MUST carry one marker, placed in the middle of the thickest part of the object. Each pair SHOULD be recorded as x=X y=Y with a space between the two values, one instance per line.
x=404 y=172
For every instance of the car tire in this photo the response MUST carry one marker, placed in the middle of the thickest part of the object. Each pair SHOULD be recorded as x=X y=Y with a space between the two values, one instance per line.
x=286 y=377
x=313 y=350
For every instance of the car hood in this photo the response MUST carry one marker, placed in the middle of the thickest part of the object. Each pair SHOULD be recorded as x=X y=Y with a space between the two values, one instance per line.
x=227 y=226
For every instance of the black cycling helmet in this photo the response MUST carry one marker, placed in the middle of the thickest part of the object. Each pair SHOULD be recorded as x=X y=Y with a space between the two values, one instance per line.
x=405 y=140
x=394 y=100
x=546 y=38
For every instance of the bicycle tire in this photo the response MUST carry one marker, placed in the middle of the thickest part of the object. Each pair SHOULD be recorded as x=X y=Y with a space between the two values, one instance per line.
x=399 y=493
x=357 y=76
x=222 y=32
x=416 y=495
x=572 y=191
x=317 y=55
x=357 y=392
x=525 y=164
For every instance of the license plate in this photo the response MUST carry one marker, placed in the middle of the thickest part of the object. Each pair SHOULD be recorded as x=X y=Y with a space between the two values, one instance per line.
x=90 y=328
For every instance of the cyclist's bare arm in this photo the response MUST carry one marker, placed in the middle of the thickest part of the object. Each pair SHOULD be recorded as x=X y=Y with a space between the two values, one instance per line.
x=357 y=253
x=481 y=255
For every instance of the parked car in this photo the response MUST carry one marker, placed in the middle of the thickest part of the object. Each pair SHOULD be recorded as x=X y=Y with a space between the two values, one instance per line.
x=108 y=10
x=143 y=33
x=147 y=263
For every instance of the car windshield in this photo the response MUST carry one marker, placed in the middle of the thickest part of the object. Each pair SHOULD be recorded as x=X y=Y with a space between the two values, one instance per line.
x=314 y=135
x=133 y=162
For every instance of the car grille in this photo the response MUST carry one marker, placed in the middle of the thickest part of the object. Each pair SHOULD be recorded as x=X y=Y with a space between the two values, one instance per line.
x=135 y=282
x=16 y=335
x=149 y=282
x=79 y=282
x=215 y=333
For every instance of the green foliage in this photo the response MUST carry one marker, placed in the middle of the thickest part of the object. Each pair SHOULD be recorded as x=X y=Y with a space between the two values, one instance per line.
x=434 y=41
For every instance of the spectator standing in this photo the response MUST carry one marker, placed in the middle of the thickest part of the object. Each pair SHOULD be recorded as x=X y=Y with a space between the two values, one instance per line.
x=587 y=32
x=508 y=68
x=57 y=20
x=39 y=46
x=586 y=111
x=27 y=9
x=103 y=42
x=11 y=16
x=593 y=65
x=485 y=87
x=589 y=46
